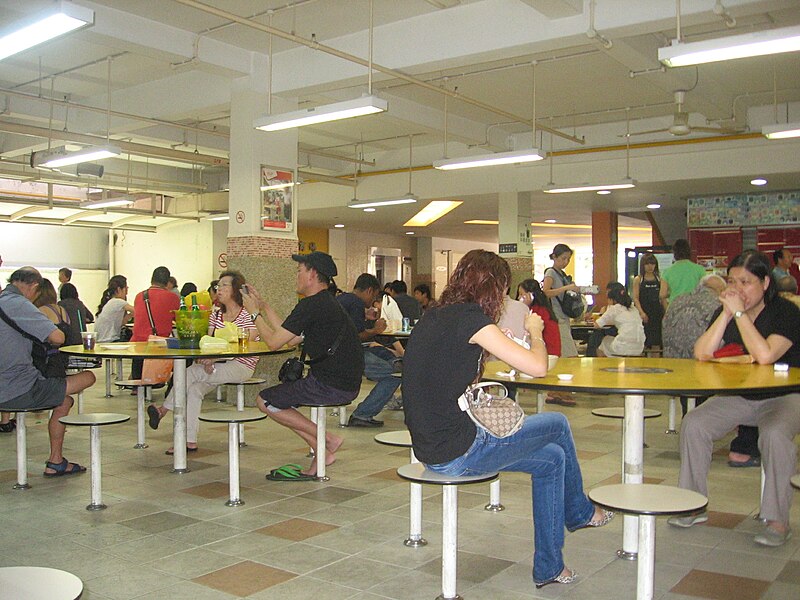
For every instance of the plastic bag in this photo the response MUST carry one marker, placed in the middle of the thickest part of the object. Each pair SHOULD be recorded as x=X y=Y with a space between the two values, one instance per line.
x=229 y=332
x=212 y=344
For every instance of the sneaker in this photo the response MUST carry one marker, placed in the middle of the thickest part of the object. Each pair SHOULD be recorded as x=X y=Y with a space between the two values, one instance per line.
x=8 y=427
x=688 y=521
x=770 y=537
x=355 y=421
x=396 y=403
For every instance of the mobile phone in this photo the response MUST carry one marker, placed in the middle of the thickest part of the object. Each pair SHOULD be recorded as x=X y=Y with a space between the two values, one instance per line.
x=245 y=289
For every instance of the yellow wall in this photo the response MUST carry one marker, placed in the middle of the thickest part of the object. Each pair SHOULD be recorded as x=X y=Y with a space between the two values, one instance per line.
x=312 y=238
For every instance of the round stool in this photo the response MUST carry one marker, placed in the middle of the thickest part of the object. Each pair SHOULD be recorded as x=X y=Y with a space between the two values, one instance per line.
x=39 y=583
x=234 y=420
x=143 y=396
x=417 y=473
x=795 y=481
x=22 y=449
x=94 y=421
x=240 y=401
x=318 y=416
x=647 y=501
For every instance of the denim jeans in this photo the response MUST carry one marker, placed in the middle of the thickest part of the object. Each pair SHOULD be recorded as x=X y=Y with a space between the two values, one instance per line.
x=379 y=370
x=544 y=448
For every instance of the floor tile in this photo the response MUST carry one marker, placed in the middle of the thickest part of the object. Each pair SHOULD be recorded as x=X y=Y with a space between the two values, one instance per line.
x=244 y=578
x=159 y=522
x=214 y=489
x=296 y=529
x=332 y=494
x=717 y=586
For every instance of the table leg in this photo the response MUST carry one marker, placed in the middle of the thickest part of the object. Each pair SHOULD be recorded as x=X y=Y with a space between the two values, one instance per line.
x=140 y=443
x=540 y=397
x=645 y=576
x=240 y=408
x=691 y=403
x=108 y=377
x=415 y=539
x=94 y=451
x=22 y=454
x=179 y=416
x=634 y=453
x=673 y=401
x=233 y=465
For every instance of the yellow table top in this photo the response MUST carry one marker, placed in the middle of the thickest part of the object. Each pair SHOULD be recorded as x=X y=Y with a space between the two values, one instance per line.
x=673 y=376
x=148 y=350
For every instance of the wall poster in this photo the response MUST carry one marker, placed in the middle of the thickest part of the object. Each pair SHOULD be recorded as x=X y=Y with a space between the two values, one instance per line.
x=277 y=199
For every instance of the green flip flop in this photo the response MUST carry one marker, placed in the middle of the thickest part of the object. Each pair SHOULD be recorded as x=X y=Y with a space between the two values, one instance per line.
x=289 y=473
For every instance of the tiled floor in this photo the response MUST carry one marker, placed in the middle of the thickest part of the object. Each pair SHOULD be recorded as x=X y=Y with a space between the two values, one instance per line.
x=167 y=536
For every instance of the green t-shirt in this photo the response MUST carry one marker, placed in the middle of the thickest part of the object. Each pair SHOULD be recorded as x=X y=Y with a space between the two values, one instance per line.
x=682 y=277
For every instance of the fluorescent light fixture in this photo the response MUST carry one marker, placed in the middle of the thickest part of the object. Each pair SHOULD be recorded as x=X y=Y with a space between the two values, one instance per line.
x=279 y=186
x=433 y=211
x=759 y=43
x=603 y=192
x=758 y=181
x=107 y=202
x=59 y=19
x=365 y=105
x=369 y=210
x=339 y=226
x=481 y=222
x=406 y=199
x=654 y=206
x=782 y=131
x=409 y=233
x=589 y=187
x=60 y=157
x=488 y=160
x=218 y=217
x=549 y=220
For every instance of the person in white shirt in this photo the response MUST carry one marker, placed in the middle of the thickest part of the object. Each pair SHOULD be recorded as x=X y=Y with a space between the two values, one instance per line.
x=621 y=313
x=113 y=311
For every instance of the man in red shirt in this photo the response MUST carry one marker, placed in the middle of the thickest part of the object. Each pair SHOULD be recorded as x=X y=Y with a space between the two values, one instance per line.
x=162 y=303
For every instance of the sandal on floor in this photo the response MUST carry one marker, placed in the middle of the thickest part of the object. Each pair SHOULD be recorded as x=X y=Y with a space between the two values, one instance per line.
x=291 y=466
x=568 y=578
x=171 y=451
x=753 y=461
x=154 y=416
x=289 y=473
x=63 y=468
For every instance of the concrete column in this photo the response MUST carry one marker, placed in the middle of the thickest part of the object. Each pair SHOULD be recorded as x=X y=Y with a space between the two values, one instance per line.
x=514 y=228
x=604 y=251
x=264 y=257
x=424 y=266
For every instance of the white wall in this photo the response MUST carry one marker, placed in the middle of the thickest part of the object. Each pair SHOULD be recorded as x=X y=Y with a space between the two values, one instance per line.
x=186 y=249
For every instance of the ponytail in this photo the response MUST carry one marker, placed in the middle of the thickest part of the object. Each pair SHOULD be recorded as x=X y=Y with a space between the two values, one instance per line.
x=620 y=296
x=115 y=283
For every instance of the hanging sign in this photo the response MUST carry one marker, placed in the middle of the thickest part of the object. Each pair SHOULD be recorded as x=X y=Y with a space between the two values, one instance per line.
x=277 y=199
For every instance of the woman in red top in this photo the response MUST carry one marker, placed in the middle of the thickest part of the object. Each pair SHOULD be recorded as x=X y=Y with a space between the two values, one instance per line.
x=531 y=293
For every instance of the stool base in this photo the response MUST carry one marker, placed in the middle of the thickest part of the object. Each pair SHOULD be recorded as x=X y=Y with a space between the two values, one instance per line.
x=627 y=555
x=94 y=507
x=180 y=471
x=415 y=543
x=21 y=486
x=671 y=432
x=140 y=446
x=322 y=479
x=494 y=507
x=238 y=502
x=456 y=597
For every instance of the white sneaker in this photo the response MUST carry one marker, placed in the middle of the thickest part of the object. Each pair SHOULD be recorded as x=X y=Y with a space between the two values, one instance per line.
x=688 y=521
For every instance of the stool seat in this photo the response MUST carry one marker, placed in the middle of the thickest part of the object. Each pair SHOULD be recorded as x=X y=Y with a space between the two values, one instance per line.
x=618 y=412
x=417 y=473
x=795 y=481
x=230 y=416
x=132 y=383
x=648 y=499
x=39 y=583
x=251 y=381
x=395 y=438
x=89 y=419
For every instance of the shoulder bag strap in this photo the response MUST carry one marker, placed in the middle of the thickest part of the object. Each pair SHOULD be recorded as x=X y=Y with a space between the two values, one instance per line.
x=10 y=322
x=149 y=313
x=332 y=350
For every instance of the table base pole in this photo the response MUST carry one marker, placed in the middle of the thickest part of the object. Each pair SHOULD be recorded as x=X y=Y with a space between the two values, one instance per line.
x=627 y=555
x=94 y=507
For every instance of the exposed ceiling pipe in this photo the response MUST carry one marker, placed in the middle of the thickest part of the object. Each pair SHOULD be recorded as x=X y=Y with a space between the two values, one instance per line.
x=350 y=159
x=314 y=45
x=126 y=147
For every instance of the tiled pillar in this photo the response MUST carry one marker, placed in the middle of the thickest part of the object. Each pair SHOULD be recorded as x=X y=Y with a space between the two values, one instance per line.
x=514 y=235
x=604 y=252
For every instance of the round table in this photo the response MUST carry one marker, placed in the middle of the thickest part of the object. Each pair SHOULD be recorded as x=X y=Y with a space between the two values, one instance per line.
x=39 y=583
x=636 y=377
x=179 y=357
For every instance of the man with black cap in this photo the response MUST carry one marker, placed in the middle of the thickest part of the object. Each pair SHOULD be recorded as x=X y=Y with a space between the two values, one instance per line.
x=331 y=343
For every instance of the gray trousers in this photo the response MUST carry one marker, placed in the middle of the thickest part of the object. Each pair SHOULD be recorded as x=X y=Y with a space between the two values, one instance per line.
x=778 y=420
x=568 y=348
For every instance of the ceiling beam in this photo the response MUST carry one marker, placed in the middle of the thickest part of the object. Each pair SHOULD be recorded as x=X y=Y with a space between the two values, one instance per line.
x=26 y=211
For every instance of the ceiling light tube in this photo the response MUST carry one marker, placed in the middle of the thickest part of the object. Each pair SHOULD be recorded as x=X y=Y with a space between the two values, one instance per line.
x=435 y=210
x=107 y=202
x=218 y=217
x=781 y=132
x=57 y=20
x=407 y=199
x=590 y=187
x=759 y=43
x=365 y=105
x=62 y=158
x=487 y=160
x=279 y=186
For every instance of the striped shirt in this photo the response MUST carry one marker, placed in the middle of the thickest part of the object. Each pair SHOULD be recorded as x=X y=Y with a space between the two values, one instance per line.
x=242 y=320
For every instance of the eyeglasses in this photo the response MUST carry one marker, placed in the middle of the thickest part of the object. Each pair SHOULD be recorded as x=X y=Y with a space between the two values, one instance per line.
x=219 y=285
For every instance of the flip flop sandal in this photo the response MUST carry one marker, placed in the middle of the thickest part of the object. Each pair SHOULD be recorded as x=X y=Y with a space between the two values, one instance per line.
x=287 y=473
x=290 y=466
x=61 y=468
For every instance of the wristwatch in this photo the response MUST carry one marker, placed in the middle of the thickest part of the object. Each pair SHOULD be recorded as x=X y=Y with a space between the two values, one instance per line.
x=737 y=314
x=254 y=316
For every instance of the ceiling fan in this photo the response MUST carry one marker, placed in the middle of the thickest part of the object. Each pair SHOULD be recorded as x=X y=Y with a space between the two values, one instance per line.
x=680 y=121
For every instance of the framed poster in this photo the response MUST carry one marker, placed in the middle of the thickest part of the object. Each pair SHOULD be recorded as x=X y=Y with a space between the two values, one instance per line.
x=277 y=199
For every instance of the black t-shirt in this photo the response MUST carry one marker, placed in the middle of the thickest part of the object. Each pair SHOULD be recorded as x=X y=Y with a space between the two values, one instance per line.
x=438 y=365
x=354 y=307
x=780 y=317
x=409 y=307
x=320 y=320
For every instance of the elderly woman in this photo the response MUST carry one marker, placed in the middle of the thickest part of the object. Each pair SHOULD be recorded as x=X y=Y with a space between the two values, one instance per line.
x=768 y=326
x=440 y=362
x=206 y=374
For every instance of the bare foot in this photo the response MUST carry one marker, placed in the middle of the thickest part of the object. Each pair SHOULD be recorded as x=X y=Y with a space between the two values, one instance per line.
x=333 y=443
x=737 y=457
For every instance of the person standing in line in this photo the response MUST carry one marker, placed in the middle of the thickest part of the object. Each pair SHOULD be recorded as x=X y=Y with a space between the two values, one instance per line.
x=554 y=285
x=683 y=276
x=647 y=299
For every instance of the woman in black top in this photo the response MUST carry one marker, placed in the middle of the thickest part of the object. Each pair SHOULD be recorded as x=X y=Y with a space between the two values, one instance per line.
x=646 y=290
x=453 y=339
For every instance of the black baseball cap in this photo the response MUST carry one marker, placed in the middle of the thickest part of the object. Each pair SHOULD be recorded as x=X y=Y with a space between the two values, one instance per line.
x=321 y=262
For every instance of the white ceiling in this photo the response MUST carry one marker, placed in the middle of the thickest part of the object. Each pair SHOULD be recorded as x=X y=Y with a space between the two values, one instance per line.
x=174 y=63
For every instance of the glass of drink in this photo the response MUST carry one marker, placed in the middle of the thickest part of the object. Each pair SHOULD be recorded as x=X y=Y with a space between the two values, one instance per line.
x=244 y=337
x=89 y=338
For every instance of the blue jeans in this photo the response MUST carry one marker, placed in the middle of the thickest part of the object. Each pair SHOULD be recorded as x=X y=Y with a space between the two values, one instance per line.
x=379 y=370
x=544 y=448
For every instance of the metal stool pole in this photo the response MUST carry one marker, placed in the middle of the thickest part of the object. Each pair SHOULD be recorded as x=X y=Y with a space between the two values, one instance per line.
x=22 y=454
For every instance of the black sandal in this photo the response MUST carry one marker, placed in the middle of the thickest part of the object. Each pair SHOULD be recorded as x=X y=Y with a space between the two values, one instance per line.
x=63 y=468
